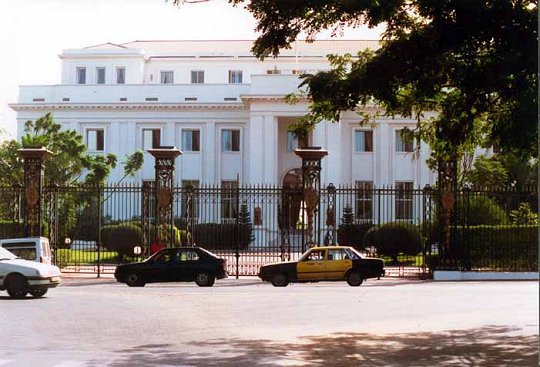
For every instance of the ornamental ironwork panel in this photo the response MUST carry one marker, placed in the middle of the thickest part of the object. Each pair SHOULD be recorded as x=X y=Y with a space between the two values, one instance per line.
x=33 y=184
x=164 y=180
x=311 y=186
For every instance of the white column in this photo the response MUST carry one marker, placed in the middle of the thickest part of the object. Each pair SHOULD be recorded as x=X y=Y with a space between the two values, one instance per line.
x=425 y=175
x=318 y=139
x=385 y=154
x=126 y=131
x=168 y=135
x=332 y=164
x=113 y=138
x=209 y=152
x=270 y=155
x=255 y=144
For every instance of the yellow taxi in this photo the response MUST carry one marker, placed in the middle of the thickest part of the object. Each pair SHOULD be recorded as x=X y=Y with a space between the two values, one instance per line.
x=324 y=263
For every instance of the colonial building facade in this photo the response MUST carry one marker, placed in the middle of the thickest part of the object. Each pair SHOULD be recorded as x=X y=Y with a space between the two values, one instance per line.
x=223 y=108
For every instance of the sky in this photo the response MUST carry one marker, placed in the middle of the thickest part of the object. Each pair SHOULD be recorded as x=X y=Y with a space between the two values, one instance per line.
x=34 y=32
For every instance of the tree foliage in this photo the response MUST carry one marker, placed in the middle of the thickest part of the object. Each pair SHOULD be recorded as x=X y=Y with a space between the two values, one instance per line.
x=70 y=162
x=487 y=172
x=350 y=233
x=474 y=62
x=394 y=238
x=245 y=225
x=503 y=170
x=524 y=215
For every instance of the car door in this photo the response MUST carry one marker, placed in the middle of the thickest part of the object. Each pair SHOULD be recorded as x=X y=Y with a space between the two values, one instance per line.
x=337 y=264
x=311 y=265
x=160 y=267
x=186 y=264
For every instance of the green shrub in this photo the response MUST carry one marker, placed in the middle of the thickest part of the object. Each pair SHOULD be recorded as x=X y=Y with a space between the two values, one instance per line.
x=179 y=236
x=124 y=238
x=219 y=236
x=479 y=209
x=353 y=234
x=106 y=234
x=503 y=248
x=349 y=233
x=524 y=215
x=394 y=238
x=11 y=229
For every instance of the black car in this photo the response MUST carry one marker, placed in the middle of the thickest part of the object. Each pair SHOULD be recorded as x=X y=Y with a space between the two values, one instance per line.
x=181 y=264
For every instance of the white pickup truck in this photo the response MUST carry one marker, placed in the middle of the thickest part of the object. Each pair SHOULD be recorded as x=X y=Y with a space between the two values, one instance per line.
x=20 y=277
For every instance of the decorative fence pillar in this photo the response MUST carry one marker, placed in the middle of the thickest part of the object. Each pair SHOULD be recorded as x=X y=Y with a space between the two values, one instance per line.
x=163 y=193
x=330 y=238
x=189 y=197
x=311 y=189
x=33 y=188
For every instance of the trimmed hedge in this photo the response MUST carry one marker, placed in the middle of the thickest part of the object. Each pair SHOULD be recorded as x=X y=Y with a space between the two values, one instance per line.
x=121 y=238
x=124 y=237
x=353 y=234
x=218 y=236
x=394 y=238
x=504 y=248
x=11 y=229
x=480 y=209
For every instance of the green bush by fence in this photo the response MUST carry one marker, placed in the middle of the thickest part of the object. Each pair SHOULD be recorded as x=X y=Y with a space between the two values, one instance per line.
x=11 y=229
x=124 y=237
x=218 y=236
x=503 y=248
x=478 y=209
x=394 y=238
x=353 y=234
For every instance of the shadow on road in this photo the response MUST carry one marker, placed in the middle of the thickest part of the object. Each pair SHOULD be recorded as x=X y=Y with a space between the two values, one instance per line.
x=487 y=346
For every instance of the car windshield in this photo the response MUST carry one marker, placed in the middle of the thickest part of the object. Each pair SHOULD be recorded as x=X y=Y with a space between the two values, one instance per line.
x=351 y=251
x=154 y=257
x=6 y=255
x=208 y=252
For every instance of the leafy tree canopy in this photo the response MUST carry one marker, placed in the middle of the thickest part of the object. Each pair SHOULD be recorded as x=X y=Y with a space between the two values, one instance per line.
x=503 y=170
x=70 y=162
x=474 y=62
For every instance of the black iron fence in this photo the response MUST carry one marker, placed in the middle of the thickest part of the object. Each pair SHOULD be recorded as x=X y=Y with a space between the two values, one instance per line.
x=94 y=228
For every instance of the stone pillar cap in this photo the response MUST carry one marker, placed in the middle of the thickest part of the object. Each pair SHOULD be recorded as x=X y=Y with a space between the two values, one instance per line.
x=34 y=152
x=311 y=153
x=165 y=152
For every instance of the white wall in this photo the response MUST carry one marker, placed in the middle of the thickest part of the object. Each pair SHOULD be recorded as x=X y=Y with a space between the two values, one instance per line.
x=255 y=107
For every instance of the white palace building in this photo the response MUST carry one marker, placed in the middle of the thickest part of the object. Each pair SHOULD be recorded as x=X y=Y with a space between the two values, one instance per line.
x=223 y=108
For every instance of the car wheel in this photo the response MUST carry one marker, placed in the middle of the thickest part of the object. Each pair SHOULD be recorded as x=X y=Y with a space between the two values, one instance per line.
x=280 y=280
x=17 y=286
x=134 y=280
x=354 y=279
x=204 y=280
x=38 y=293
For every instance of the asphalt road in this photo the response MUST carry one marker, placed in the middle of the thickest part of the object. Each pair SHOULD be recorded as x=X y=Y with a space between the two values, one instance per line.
x=248 y=323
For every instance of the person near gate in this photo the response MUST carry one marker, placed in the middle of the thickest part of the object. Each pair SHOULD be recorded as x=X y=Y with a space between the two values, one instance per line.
x=156 y=246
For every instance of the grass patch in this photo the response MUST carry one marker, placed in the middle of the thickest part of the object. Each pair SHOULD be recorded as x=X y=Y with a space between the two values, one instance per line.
x=65 y=257
x=404 y=260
